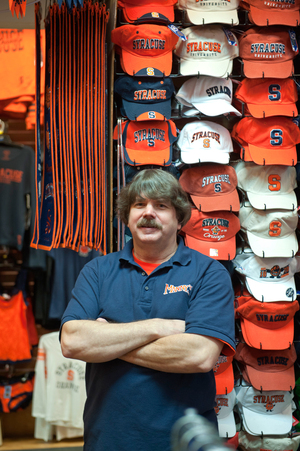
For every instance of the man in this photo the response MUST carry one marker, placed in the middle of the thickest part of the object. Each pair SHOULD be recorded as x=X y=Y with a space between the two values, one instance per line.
x=150 y=321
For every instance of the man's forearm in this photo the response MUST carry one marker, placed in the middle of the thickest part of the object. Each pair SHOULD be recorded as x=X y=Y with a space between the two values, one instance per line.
x=180 y=353
x=95 y=341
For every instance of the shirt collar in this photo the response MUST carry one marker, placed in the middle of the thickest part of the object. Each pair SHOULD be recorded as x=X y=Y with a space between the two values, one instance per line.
x=181 y=256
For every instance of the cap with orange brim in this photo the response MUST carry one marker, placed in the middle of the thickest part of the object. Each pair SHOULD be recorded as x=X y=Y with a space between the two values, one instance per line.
x=148 y=142
x=223 y=372
x=212 y=233
x=271 y=140
x=145 y=50
x=150 y=10
x=212 y=186
x=267 y=370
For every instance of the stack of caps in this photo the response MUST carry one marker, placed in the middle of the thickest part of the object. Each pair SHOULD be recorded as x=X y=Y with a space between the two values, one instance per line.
x=207 y=50
x=225 y=396
x=145 y=92
x=213 y=224
x=204 y=12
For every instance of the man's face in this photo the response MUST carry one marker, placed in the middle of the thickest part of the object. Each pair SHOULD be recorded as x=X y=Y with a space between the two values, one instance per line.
x=153 y=221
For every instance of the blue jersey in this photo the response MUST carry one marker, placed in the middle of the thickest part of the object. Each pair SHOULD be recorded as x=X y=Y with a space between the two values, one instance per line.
x=130 y=407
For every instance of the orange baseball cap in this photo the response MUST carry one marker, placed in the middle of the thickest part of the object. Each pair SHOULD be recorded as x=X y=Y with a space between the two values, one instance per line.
x=212 y=186
x=264 y=13
x=264 y=97
x=267 y=370
x=271 y=140
x=145 y=50
x=147 y=10
x=267 y=51
x=148 y=142
x=223 y=372
x=266 y=325
x=212 y=233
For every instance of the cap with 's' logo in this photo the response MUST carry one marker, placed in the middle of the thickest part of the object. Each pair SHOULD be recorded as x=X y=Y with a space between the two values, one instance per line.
x=145 y=98
x=145 y=50
x=148 y=142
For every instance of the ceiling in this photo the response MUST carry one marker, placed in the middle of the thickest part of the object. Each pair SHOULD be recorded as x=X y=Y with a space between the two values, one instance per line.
x=7 y=20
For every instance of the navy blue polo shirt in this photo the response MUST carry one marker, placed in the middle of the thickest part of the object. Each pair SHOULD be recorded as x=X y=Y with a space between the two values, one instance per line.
x=134 y=408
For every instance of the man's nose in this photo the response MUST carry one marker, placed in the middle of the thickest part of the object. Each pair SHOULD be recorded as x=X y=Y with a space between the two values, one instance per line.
x=149 y=210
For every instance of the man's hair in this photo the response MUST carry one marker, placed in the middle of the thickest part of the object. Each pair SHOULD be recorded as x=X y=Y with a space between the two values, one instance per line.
x=154 y=184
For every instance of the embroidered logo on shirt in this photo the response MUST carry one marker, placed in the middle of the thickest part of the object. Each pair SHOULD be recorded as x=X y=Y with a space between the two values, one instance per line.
x=170 y=289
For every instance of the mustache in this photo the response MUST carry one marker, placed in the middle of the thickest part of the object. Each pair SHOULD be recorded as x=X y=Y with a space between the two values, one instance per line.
x=145 y=222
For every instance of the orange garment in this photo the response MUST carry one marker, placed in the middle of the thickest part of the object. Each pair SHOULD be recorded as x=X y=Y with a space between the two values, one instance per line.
x=14 y=339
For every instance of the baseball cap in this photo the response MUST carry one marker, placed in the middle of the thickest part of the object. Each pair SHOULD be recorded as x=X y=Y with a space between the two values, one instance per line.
x=204 y=12
x=212 y=233
x=225 y=416
x=267 y=370
x=148 y=142
x=268 y=279
x=145 y=98
x=223 y=372
x=147 y=10
x=266 y=51
x=272 y=13
x=264 y=97
x=267 y=187
x=268 y=443
x=206 y=51
x=204 y=141
x=271 y=140
x=270 y=233
x=145 y=50
x=266 y=325
x=211 y=96
x=212 y=187
x=265 y=412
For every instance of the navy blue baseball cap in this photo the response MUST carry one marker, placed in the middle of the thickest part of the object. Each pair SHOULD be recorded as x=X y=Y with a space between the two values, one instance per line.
x=144 y=99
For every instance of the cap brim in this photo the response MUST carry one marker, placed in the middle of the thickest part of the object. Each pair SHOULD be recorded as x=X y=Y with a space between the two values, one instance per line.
x=142 y=157
x=225 y=381
x=261 y=110
x=267 y=339
x=227 y=426
x=262 y=156
x=272 y=291
x=220 y=69
x=221 y=250
x=279 y=17
x=267 y=381
x=216 y=107
x=286 y=201
x=202 y=156
x=277 y=247
x=263 y=69
x=257 y=424
x=137 y=12
x=160 y=66
x=146 y=111
x=202 y=18
x=228 y=202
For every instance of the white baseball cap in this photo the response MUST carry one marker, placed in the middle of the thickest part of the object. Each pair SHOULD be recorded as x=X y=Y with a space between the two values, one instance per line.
x=200 y=13
x=268 y=279
x=265 y=412
x=270 y=233
x=268 y=187
x=207 y=51
x=211 y=96
x=204 y=141
x=225 y=416
x=254 y=443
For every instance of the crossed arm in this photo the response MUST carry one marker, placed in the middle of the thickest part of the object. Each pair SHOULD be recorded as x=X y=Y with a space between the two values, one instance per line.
x=159 y=344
